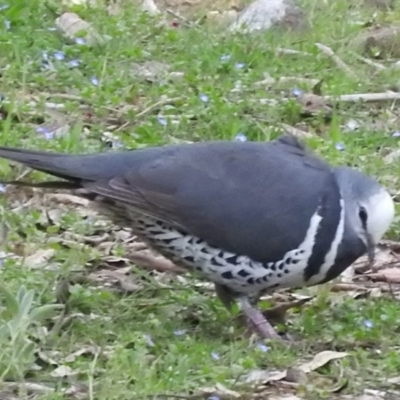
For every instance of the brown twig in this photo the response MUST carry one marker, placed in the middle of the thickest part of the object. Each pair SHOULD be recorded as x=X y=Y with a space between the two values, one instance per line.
x=146 y=259
x=371 y=63
x=296 y=132
x=339 y=63
x=367 y=97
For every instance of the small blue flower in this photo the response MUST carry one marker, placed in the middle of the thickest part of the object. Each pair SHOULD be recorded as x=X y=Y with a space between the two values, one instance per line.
x=240 y=65
x=2 y=188
x=215 y=355
x=59 y=55
x=180 y=332
x=149 y=340
x=368 y=324
x=204 y=98
x=396 y=134
x=263 y=347
x=162 y=121
x=95 y=81
x=74 y=63
x=116 y=144
x=225 y=57
x=7 y=24
x=339 y=146
x=297 y=92
x=80 y=40
x=240 y=137
x=47 y=133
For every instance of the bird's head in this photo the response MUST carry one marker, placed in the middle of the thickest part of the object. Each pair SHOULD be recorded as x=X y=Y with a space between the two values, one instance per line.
x=369 y=207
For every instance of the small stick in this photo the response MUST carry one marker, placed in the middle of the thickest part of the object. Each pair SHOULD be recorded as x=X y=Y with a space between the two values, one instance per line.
x=287 y=79
x=148 y=110
x=376 y=65
x=368 y=97
x=161 y=102
x=296 y=132
x=291 y=52
x=182 y=18
x=145 y=259
x=339 y=63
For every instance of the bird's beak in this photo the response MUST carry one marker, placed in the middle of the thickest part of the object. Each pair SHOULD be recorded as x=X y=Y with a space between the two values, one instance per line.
x=370 y=249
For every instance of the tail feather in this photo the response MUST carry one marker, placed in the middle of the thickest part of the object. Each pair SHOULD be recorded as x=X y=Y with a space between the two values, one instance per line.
x=74 y=168
x=59 y=165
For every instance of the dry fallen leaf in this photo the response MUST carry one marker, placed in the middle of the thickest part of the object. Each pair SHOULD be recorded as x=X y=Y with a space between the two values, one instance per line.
x=384 y=256
x=67 y=199
x=390 y=275
x=392 y=156
x=63 y=371
x=39 y=258
x=394 y=381
x=218 y=390
x=86 y=350
x=33 y=388
x=319 y=360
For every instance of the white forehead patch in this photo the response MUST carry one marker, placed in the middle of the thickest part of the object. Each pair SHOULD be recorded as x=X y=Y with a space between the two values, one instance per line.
x=380 y=209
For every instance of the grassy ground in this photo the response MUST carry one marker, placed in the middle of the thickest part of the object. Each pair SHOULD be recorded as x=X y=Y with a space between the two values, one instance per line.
x=170 y=336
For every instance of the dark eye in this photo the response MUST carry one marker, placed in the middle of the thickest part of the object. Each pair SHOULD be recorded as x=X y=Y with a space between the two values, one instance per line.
x=363 y=215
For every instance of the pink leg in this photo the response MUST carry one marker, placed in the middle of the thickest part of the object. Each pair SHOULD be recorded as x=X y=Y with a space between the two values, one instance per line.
x=254 y=319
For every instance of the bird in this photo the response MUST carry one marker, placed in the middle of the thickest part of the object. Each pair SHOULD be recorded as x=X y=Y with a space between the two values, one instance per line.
x=251 y=217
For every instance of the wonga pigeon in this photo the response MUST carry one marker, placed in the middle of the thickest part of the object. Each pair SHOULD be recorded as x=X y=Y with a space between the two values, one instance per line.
x=250 y=217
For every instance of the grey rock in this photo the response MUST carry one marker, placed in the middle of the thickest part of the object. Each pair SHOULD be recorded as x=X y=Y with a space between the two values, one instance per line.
x=264 y=14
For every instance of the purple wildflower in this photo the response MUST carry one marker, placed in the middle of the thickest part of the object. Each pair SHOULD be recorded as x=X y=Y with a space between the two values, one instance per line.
x=297 y=92
x=240 y=137
x=47 y=133
x=225 y=57
x=368 y=324
x=162 y=121
x=263 y=347
x=240 y=65
x=149 y=340
x=74 y=63
x=59 y=55
x=339 y=146
x=180 y=332
x=94 y=81
x=204 y=98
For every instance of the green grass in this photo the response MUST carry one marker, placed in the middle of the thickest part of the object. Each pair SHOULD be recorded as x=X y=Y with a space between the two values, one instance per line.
x=121 y=362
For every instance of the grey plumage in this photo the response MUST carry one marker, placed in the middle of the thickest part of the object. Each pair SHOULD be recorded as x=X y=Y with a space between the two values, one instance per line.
x=249 y=216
